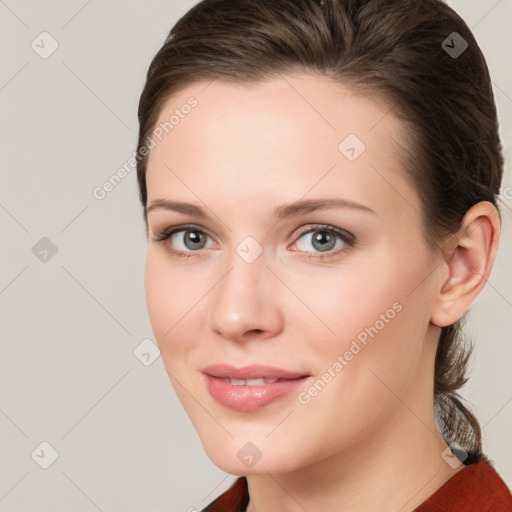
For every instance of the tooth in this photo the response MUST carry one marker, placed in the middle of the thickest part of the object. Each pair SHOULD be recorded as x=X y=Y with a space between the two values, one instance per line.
x=260 y=381
x=256 y=382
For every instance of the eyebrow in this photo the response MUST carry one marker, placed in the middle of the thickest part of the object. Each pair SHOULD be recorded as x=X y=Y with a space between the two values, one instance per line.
x=281 y=212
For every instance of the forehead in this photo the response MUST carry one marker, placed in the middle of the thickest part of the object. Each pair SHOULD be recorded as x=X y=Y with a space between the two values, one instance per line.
x=280 y=139
x=254 y=114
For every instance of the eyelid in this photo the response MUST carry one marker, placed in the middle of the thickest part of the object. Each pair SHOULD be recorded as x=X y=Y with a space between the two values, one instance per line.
x=325 y=227
x=164 y=234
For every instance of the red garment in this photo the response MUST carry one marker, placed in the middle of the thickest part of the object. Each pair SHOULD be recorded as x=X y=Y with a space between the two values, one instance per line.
x=476 y=488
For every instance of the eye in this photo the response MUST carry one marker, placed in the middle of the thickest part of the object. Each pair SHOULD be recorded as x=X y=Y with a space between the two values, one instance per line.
x=325 y=239
x=183 y=240
x=189 y=241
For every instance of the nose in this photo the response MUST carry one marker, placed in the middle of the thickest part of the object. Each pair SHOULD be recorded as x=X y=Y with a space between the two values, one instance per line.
x=246 y=302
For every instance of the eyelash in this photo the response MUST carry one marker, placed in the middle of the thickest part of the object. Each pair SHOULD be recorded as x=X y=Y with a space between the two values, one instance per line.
x=345 y=236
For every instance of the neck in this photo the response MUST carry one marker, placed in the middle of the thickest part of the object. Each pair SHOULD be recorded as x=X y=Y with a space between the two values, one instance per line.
x=393 y=473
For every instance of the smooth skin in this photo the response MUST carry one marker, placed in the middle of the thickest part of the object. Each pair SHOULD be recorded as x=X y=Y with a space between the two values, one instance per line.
x=367 y=440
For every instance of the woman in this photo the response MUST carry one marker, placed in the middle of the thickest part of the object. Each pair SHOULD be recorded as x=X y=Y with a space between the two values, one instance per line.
x=319 y=184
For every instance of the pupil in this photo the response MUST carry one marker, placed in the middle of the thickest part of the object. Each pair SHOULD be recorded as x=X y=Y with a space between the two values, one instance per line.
x=319 y=238
x=194 y=237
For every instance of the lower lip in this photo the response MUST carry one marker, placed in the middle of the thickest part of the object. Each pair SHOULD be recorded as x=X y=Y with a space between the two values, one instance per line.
x=250 y=398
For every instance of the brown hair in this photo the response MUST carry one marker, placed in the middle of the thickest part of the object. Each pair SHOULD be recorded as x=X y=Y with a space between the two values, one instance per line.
x=393 y=48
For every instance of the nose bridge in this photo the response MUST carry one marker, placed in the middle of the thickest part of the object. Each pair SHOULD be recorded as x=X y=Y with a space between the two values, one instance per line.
x=242 y=300
x=246 y=269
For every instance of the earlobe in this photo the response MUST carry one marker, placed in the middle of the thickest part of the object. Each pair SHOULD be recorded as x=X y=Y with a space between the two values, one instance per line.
x=469 y=259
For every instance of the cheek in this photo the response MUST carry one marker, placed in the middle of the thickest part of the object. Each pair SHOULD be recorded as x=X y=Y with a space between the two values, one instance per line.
x=170 y=295
x=344 y=303
x=373 y=358
x=159 y=294
x=376 y=319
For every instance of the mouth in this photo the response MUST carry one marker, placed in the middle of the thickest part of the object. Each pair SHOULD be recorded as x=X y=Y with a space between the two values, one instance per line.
x=270 y=374
x=251 y=388
x=261 y=381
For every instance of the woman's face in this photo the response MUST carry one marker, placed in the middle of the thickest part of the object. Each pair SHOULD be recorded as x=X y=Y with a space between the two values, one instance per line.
x=353 y=327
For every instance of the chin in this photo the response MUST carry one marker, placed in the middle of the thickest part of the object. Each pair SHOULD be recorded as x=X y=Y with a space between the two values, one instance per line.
x=233 y=466
x=242 y=457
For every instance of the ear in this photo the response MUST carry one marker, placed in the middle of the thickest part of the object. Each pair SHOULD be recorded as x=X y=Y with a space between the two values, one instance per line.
x=468 y=260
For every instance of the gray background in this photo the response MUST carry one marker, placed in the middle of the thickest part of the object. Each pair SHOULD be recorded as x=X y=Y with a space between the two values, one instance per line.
x=71 y=323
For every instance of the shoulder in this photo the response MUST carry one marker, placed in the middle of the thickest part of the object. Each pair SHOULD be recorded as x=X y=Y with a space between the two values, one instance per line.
x=477 y=487
x=235 y=499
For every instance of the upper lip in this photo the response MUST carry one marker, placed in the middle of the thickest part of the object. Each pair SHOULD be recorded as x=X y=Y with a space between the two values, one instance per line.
x=250 y=372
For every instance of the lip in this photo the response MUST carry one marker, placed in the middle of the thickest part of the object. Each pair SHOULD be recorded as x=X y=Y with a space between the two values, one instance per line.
x=244 y=398
x=253 y=371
